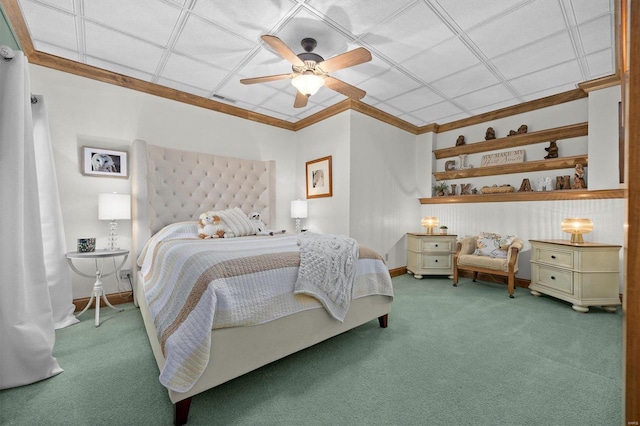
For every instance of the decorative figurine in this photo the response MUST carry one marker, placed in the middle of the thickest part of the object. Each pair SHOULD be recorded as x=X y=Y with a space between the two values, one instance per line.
x=491 y=134
x=578 y=178
x=522 y=129
x=460 y=141
x=552 y=150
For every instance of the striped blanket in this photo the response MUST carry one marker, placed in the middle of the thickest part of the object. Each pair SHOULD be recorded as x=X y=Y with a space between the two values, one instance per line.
x=193 y=286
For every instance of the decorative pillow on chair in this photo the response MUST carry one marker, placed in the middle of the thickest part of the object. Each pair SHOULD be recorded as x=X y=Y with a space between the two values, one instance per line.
x=493 y=245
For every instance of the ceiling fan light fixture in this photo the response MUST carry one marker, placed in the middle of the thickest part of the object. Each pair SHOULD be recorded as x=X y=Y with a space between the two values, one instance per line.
x=308 y=83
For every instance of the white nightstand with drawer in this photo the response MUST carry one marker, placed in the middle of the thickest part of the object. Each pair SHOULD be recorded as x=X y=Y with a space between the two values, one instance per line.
x=584 y=274
x=430 y=254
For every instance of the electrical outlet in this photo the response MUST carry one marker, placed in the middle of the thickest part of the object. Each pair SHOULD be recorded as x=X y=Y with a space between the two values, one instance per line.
x=125 y=274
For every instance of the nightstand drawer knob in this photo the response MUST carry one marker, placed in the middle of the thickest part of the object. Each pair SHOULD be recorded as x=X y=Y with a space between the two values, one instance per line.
x=553 y=257
x=436 y=260
x=552 y=277
x=436 y=245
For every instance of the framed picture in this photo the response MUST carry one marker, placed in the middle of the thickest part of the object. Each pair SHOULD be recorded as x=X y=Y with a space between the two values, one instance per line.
x=319 y=181
x=104 y=162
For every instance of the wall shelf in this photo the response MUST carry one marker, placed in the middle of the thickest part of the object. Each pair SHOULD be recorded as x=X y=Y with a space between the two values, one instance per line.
x=564 y=132
x=502 y=169
x=564 y=194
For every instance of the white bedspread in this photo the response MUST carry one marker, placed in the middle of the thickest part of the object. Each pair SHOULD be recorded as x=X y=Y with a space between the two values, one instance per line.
x=193 y=286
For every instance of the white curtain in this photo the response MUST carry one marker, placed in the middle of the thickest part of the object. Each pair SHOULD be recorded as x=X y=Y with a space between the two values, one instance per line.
x=27 y=331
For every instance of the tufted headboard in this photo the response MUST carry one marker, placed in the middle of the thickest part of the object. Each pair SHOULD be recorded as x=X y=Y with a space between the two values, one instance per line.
x=170 y=185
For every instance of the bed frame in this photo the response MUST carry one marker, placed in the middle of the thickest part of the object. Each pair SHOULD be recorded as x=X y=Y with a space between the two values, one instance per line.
x=170 y=185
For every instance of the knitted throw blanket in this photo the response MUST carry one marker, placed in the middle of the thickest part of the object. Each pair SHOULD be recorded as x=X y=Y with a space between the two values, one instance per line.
x=327 y=271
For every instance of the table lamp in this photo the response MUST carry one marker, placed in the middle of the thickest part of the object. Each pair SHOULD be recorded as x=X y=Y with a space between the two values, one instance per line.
x=113 y=207
x=298 y=211
x=577 y=227
x=429 y=223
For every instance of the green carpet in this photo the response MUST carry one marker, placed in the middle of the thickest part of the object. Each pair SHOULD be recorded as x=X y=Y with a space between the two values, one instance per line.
x=451 y=356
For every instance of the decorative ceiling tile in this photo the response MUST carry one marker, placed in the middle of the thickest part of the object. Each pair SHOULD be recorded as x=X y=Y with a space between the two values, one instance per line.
x=560 y=75
x=586 y=10
x=119 y=48
x=191 y=72
x=469 y=13
x=195 y=41
x=118 y=68
x=542 y=54
x=388 y=85
x=72 y=55
x=415 y=30
x=245 y=17
x=151 y=20
x=50 y=26
x=357 y=17
x=469 y=80
x=442 y=60
x=533 y=21
x=600 y=64
x=488 y=96
x=415 y=99
x=597 y=34
x=183 y=87
x=433 y=113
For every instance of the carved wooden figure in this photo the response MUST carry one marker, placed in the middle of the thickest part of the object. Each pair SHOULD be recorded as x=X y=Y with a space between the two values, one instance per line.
x=578 y=178
x=552 y=150
x=491 y=134
x=460 y=141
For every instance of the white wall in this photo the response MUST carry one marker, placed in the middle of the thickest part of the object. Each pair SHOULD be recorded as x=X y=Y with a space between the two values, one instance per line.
x=328 y=215
x=384 y=200
x=88 y=112
x=603 y=138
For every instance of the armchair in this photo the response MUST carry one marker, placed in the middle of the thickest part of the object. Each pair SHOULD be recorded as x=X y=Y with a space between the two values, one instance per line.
x=464 y=259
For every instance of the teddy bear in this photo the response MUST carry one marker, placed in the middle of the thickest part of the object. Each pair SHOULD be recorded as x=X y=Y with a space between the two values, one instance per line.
x=210 y=225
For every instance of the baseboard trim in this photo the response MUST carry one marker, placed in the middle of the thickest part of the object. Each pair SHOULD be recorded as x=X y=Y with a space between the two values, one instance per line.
x=113 y=298
x=396 y=272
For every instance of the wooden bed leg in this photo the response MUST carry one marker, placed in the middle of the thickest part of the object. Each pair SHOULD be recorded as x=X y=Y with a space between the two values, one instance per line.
x=384 y=321
x=182 y=411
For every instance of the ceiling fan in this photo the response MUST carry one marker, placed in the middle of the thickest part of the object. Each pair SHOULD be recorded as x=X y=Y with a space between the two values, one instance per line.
x=311 y=71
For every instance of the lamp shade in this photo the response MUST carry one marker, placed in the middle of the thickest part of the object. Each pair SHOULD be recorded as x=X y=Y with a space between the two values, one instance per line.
x=299 y=209
x=576 y=227
x=308 y=83
x=430 y=222
x=114 y=206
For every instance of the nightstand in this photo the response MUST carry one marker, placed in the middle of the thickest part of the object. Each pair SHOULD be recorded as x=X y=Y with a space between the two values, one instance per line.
x=98 y=290
x=584 y=274
x=430 y=254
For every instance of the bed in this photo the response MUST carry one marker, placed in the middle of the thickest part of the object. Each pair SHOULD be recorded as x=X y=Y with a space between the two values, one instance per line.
x=170 y=187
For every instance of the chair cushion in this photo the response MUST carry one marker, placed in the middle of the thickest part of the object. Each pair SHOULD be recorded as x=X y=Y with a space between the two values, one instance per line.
x=493 y=245
x=486 y=262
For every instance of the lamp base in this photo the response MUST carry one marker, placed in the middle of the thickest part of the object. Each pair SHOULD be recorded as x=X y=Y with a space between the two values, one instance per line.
x=113 y=236
x=297 y=225
x=577 y=239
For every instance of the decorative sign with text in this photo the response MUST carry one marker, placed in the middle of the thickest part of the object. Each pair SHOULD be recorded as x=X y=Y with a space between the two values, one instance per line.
x=502 y=158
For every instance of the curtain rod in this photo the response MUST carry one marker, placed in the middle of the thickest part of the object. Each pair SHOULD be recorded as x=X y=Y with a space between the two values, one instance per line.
x=7 y=53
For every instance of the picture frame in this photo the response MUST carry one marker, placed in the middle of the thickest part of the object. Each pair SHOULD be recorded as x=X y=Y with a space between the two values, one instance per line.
x=104 y=162
x=319 y=179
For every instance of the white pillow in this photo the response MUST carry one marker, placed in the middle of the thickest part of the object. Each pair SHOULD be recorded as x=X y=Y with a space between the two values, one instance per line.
x=493 y=245
x=236 y=223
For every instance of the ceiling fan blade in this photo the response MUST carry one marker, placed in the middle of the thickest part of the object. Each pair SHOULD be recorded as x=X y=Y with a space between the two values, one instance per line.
x=344 y=88
x=267 y=78
x=282 y=49
x=348 y=59
x=301 y=100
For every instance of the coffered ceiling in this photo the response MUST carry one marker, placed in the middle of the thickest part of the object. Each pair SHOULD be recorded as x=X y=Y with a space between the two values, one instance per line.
x=434 y=61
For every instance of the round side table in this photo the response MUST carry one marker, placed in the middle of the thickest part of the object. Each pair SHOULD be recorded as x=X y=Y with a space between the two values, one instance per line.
x=98 y=290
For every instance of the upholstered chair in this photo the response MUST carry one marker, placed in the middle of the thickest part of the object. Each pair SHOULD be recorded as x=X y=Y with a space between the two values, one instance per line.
x=465 y=260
